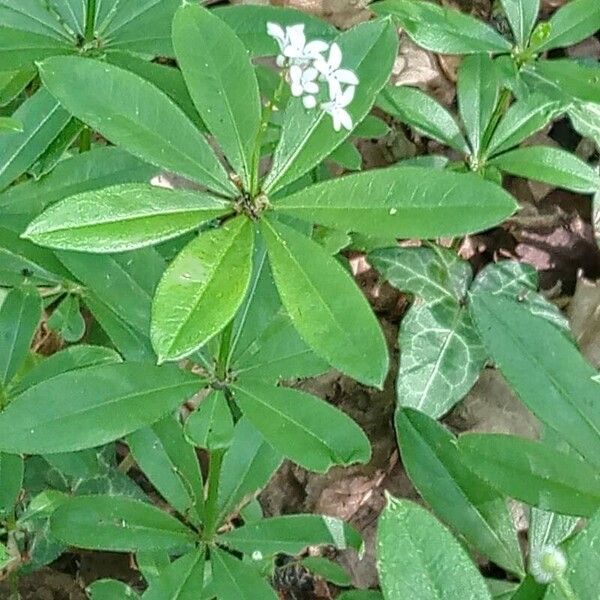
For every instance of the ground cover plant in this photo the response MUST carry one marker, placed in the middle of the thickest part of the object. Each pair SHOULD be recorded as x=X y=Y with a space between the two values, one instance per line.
x=179 y=230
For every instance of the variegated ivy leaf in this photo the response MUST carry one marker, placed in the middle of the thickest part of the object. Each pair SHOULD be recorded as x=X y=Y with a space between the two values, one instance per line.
x=441 y=356
x=518 y=281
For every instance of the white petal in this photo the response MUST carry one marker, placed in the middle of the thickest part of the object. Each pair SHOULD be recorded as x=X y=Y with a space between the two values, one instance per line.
x=280 y=60
x=345 y=119
x=347 y=96
x=310 y=74
x=337 y=124
x=297 y=89
x=311 y=87
x=320 y=64
x=315 y=48
x=276 y=31
x=296 y=36
x=309 y=102
x=292 y=52
x=335 y=89
x=346 y=76
x=295 y=74
x=335 y=56
x=328 y=107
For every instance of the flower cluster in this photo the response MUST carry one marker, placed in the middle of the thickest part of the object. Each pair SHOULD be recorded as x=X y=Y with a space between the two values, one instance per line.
x=306 y=67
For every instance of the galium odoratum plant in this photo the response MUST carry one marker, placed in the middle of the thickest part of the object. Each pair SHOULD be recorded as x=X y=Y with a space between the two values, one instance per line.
x=204 y=286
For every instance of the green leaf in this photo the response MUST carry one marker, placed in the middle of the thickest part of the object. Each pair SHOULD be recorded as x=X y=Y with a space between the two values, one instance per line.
x=441 y=356
x=522 y=15
x=583 y=556
x=10 y=125
x=224 y=92
x=235 y=580
x=110 y=589
x=572 y=23
x=249 y=22
x=304 y=428
x=69 y=359
x=478 y=91
x=181 y=580
x=247 y=467
x=431 y=273
x=210 y=426
x=11 y=479
x=347 y=156
x=13 y=82
x=19 y=48
x=66 y=320
x=327 y=569
x=329 y=312
x=307 y=137
x=548 y=529
x=142 y=27
x=371 y=127
x=443 y=30
x=407 y=202
x=202 y=289
x=550 y=165
x=54 y=417
x=544 y=368
x=20 y=314
x=122 y=218
x=22 y=262
x=96 y=169
x=524 y=118
x=361 y=595
x=585 y=117
x=118 y=524
x=432 y=564
x=533 y=472
x=29 y=15
x=461 y=499
x=566 y=79
x=421 y=111
x=170 y=463
x=291 y=534
x=149 y=124
x=43 y=119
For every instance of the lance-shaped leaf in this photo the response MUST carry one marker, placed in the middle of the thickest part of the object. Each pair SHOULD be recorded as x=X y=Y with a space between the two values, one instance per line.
x=10 y=125
x=235 y=580
x=170 y=463
x=108 y=589
x=55 y=416
x=478 y=90
x=11 y=479
x=407 y=202
x=29 y=15
x=326 y=307
x=99 y=168
x=42 y=118
x=302 y=427
x=247 y=467
x=181 y=580
x=307 y=136
x=118 y=524
x=441 y=29
x=148 y=124
x=142 y=27
x=533 y=472
x=291 y=534
x=224 y=92
x=544 y=368
x=548 y=529
x=570 y=24
x=585 y=117
x=522 y=119
x=211 y=425
x=441 y=356
x=20 y=314
x=123 y=217
x=13 y=82
x=522 y=15
x=582 y=557
x=202 y=289
x=432 y=564
x=460 y=498
x=19 y=48
x=421 y=111
x=550 y=165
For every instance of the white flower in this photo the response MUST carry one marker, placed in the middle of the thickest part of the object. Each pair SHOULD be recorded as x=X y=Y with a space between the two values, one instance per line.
x=303 y=81
x=547 y=563
x=292 y=45
x=336 y=107
x=331 y=72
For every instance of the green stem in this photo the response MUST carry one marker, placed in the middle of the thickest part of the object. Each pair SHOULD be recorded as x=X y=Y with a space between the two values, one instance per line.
x=565 y=587
x=264 y=125
x=90 y=20
x=501 y=108
x=85 y=140
x=212 y=494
